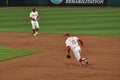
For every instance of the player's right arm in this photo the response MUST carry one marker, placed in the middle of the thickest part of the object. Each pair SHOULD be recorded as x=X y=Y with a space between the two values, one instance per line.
x=68 y=49
x=68 y=52
x=31 y=18
x=68 y=46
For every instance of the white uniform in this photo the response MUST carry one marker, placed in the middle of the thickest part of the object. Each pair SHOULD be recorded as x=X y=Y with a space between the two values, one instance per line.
x=73 y=43
x=34 y=22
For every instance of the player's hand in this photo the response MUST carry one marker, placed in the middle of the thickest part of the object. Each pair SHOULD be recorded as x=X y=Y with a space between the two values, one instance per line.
x=33 y=19
x=37 y=19
x=68 y=56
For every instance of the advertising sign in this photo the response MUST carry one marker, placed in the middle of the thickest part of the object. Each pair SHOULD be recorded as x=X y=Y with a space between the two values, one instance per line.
x=77 y=2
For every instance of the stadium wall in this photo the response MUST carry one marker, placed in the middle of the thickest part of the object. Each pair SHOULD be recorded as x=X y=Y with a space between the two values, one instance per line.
x=59 y=2
x=113 y=2
x=23 y=2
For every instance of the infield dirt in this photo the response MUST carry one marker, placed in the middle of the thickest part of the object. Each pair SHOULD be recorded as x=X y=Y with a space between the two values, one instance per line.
x=103 y=54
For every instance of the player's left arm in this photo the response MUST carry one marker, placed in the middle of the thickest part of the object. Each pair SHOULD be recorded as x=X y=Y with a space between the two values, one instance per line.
x=80 y=41
x=38 y=16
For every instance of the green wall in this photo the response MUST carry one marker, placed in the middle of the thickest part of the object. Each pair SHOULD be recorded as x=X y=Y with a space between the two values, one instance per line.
x=46 y=3
x=37 y=2
x=23 y=2
x=113 y=2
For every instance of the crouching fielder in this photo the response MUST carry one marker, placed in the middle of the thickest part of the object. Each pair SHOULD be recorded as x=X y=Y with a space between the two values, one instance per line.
x=72 y=44
x=34 y=21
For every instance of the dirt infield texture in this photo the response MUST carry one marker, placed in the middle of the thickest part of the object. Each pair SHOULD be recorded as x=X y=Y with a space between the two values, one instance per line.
x=103 y=54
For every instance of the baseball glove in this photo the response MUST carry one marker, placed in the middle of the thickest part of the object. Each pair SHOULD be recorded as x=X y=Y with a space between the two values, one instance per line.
x=68 y=56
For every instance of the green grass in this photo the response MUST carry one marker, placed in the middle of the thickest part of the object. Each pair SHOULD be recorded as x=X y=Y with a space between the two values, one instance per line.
x=10 y=53
x=86 y=21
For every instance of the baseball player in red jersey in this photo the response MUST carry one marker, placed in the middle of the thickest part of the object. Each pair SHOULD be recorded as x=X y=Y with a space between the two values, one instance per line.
x=34 y=21
x=72 y=44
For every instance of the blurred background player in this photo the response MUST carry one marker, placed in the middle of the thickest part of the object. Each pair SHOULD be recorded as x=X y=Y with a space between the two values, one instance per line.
x=34 y=21
x=72 y=44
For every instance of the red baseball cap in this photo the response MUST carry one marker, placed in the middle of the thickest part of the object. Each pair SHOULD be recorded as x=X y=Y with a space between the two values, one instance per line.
x=67 y=34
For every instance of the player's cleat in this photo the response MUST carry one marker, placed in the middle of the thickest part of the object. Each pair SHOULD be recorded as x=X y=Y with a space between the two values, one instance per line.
x=82 y=63
x=86 y=60
x=34 y=34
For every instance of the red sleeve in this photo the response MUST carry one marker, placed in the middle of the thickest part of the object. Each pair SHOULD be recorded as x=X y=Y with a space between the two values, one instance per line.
x=68 y=49
x=80 y=42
